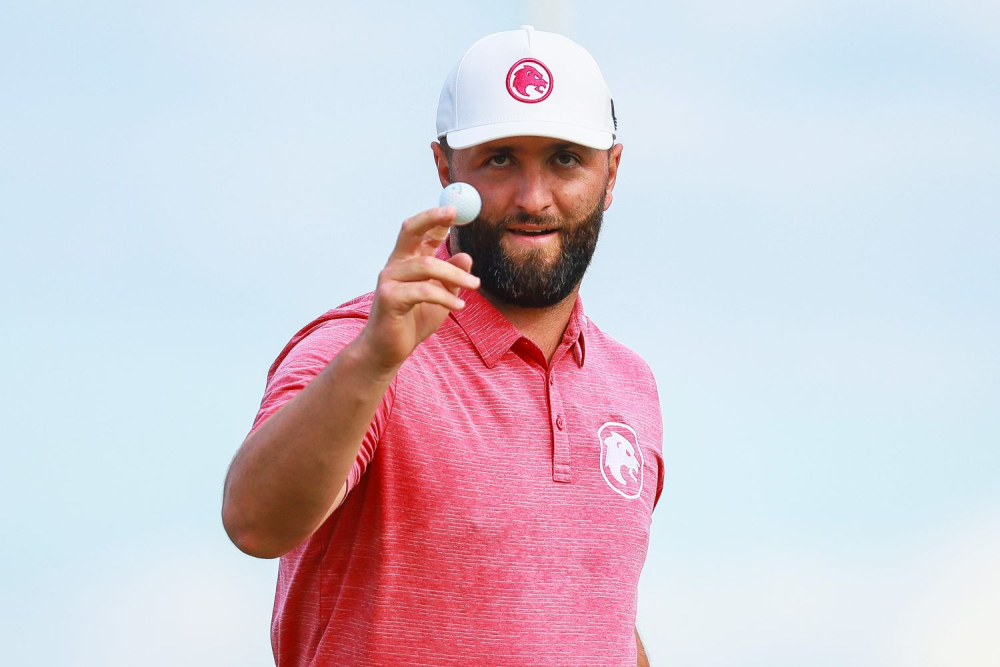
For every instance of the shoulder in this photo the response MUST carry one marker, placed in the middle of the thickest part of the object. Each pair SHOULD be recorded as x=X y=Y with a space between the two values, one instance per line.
x=308 y=353
x=611 y=355
x=320 y=340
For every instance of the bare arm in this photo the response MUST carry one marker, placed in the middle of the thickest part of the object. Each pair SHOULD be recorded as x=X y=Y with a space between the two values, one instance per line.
x=290 y=474
x=643 y=660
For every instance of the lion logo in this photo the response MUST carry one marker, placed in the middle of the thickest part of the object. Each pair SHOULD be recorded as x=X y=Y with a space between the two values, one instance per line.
x=529 y=76
x=529 y=81
x=621 y=458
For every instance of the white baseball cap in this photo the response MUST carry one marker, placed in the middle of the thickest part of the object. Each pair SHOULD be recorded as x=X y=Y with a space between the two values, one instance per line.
x=526 y=82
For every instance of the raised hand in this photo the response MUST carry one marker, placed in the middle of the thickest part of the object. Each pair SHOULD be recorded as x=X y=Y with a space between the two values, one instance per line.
x=416 y=290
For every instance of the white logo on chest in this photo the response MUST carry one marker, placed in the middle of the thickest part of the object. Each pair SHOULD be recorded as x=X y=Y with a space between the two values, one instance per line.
x=621 y=458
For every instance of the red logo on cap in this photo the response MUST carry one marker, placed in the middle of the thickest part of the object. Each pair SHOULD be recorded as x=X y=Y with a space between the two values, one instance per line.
x=529 y=81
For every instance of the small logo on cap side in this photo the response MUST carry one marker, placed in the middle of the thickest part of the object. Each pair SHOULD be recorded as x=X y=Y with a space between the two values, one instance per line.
x=529 y=81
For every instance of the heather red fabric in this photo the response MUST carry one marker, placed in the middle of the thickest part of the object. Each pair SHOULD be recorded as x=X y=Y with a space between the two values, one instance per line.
x=499 y=507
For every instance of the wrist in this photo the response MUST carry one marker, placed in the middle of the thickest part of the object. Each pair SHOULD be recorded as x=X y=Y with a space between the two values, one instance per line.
x=363 y=354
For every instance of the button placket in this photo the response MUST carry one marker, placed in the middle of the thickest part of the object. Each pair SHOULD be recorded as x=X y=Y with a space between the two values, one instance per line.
x=561 y=470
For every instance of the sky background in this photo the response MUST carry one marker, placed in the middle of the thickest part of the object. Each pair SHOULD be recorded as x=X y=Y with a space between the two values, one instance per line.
x=803 y=245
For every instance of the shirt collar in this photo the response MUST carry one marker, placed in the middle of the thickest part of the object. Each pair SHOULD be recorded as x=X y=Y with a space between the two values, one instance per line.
x=493 y=335
x=575 y=330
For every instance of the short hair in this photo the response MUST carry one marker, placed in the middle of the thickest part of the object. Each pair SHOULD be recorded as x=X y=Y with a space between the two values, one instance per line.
x=446 y=149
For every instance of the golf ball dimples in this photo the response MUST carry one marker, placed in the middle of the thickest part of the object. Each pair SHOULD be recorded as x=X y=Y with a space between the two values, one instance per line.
x=465 y=199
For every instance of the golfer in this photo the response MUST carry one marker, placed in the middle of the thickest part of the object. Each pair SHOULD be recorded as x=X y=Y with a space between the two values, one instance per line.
x=460 y=467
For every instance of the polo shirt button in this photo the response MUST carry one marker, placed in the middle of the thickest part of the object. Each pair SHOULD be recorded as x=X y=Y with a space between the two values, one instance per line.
x=552 y=379
x=560 y=422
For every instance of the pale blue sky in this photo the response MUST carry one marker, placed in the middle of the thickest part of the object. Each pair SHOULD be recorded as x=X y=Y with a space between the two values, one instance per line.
x=804 y=246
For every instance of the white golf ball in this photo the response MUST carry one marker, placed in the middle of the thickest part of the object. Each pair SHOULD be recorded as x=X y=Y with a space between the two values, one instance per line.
x=465 y=199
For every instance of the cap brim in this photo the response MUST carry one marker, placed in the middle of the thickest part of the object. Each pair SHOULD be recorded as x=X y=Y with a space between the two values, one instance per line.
x=599 y=139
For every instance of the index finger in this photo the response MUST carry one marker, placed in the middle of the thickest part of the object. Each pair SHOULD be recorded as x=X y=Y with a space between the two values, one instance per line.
x=430 y=227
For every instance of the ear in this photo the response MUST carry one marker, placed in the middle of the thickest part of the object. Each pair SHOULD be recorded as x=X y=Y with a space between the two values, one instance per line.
x=614 y=158
x=441 y=162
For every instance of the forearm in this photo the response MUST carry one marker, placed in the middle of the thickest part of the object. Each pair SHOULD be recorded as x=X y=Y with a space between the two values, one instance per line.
x=288 y=474
x=642 y=660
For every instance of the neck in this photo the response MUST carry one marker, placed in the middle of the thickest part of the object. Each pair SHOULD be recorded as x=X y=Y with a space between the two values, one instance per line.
x=542 y=326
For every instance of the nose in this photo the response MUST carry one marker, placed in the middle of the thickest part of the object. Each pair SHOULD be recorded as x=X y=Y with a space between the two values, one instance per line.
x=534 y=194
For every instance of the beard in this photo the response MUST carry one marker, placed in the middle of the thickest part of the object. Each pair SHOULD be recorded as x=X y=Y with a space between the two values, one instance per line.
x=530 y=280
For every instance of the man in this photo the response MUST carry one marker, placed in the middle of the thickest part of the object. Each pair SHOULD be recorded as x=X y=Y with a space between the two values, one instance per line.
x=460 y=468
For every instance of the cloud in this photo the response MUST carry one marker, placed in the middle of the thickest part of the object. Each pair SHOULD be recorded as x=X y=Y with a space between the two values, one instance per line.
x=178 y=606
x=930 y=604
x=952 y=608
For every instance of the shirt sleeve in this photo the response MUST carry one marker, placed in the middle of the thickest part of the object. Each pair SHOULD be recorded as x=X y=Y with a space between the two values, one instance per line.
x=303 y=363
x=658 y=449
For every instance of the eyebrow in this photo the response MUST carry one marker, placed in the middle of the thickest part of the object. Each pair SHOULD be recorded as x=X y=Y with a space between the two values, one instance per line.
x=560 y=146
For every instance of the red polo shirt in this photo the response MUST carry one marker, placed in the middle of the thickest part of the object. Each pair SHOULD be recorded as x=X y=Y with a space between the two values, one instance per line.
x=499 y=508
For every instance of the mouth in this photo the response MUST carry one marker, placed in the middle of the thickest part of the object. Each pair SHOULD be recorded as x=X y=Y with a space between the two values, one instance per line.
x=532 y=232
x=532 y=237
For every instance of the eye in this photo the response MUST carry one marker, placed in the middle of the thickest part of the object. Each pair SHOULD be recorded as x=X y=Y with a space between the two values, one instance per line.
x=566 y=159
x=499 y=160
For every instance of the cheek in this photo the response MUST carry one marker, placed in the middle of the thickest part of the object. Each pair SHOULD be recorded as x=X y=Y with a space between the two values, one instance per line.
x=580 y=201
x=495 y=199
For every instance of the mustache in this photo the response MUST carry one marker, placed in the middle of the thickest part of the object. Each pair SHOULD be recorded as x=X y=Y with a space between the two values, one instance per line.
x=540 y=221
